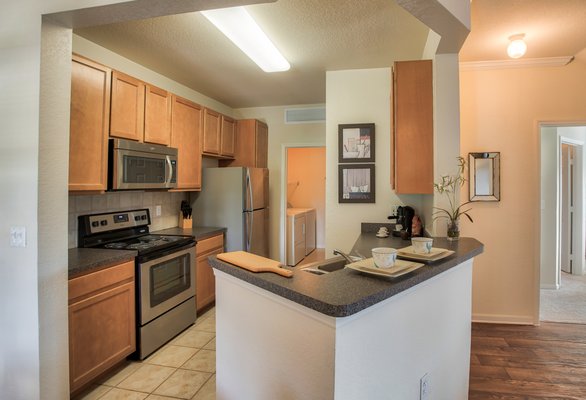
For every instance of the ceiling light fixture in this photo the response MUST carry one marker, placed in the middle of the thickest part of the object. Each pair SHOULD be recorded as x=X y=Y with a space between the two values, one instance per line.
x=237 y=24
x=517 y=46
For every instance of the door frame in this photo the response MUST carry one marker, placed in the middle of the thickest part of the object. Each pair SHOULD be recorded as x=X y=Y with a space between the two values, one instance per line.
x=283 y=205
x=581 y=228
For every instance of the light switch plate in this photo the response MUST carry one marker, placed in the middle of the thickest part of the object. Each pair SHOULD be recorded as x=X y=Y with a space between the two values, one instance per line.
x=17 y=236
x=157 y=211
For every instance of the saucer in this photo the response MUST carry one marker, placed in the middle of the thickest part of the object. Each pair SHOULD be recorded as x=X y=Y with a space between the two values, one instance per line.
x=382 y=235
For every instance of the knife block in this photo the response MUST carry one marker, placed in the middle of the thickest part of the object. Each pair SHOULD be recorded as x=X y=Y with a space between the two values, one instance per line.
x=185 y=223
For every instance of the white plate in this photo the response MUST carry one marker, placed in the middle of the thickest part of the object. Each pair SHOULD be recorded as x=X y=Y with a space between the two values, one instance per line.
x=382 y=236
x=400 y=268
x=436 y=254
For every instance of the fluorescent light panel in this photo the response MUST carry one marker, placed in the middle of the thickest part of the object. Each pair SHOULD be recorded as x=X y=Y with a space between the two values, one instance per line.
x=237 y=24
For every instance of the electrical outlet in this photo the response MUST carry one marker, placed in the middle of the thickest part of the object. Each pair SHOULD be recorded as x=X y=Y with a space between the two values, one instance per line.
x=157 y=211
x=17 y=236
x=424 y=387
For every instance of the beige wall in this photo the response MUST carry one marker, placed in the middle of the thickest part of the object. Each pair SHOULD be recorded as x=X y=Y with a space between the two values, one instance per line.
x=359 y=96
x=281 y=135
x=306 y=183
x=500 y=111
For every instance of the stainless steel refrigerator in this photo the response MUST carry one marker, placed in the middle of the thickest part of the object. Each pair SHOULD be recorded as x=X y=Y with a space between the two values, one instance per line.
x=236 y=198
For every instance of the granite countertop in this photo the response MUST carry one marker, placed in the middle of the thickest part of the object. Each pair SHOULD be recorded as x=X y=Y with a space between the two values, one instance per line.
x=199 y=232
x=82 y=261
x=346 y=292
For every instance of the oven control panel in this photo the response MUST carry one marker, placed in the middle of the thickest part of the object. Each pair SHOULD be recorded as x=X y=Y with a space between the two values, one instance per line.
x=117 y=220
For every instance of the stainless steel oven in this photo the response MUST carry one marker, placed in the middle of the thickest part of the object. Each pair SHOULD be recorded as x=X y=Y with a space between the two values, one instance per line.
x=166 y=289
x=165 y=272
x=135 y=165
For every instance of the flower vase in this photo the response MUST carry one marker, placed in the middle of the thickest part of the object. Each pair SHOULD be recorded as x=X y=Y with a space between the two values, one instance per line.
x=453 y=229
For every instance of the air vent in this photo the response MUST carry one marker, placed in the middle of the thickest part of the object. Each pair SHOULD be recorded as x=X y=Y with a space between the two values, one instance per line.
x=305 y=115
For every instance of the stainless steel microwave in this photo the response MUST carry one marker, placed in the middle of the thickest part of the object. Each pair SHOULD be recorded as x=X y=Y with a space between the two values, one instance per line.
x=135 y=165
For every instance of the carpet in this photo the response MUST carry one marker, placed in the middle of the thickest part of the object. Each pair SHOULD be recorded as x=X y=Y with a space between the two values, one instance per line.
x=568 y=303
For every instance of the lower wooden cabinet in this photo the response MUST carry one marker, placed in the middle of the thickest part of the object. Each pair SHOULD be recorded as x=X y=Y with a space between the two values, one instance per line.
x=205 y=282
x=102 y=329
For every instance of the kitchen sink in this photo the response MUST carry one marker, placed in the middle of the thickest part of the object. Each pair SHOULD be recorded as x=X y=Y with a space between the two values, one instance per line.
x=326 y=266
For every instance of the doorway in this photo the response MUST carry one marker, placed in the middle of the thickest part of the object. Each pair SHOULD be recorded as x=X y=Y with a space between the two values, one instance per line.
x=305 y=180
x=563 y=274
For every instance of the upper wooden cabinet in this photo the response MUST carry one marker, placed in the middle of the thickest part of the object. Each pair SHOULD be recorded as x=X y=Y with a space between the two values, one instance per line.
x=252 y=140
x=127 y=116
x=227 y=136
x=412 y=141
x=90 y=116
x=218 y=134
x=186 y=125
x=140 y=111
x=157 y=116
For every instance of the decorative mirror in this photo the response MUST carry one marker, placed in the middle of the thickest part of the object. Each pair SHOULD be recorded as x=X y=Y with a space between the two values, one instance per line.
x=484 y=180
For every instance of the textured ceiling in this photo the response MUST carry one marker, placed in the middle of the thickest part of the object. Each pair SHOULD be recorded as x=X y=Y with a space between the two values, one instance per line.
x=314 y=35
x=552 y=28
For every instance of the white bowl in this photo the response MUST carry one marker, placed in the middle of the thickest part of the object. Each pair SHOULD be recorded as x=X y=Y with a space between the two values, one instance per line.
x=384 y=257
x=422 y=245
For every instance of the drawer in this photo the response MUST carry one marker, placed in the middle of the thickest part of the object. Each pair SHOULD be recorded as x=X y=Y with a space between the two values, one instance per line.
x=85 y=285
x=206 y=245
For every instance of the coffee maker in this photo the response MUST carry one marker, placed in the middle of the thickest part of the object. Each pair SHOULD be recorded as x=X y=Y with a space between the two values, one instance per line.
x=404 y=218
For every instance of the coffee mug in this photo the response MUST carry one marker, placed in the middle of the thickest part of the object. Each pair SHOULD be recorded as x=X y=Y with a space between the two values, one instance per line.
x=384 y=257
x=422 y=245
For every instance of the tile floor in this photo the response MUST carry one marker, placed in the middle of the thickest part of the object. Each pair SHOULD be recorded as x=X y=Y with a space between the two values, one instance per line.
x=185 y=368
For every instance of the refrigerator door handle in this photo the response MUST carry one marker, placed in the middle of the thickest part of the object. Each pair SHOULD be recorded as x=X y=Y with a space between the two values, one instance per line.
x=249 y=224
x=249 y=191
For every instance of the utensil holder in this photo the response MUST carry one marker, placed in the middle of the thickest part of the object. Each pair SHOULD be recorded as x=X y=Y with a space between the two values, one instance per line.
x=185 y=223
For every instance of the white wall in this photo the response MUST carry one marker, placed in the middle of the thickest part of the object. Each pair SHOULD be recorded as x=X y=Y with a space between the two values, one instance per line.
x=281 y=135
x=359 y=96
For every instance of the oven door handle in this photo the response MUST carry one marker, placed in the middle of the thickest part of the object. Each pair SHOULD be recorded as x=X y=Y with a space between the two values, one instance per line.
x=159 y=254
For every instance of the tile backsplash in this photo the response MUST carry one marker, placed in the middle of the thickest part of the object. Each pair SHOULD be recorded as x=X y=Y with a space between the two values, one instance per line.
x=120 y=201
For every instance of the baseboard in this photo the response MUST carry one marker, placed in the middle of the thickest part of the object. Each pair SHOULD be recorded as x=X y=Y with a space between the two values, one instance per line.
x=504 y=319
x=550 y=286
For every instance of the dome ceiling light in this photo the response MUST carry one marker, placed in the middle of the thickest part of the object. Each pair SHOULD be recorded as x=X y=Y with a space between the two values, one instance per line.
x=517 y=46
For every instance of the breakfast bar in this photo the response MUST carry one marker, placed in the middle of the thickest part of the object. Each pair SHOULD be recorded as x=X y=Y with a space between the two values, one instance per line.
x=346 y=334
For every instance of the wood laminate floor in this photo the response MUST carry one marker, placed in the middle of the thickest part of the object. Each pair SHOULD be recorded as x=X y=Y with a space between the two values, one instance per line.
x=512 y=362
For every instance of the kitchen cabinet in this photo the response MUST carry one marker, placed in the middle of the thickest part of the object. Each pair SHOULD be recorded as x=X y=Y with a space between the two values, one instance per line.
x=205 y=283
x=157 y=116
x=227 y=135
x=218 y=135
x=89 y=123
x=139 y=111
x=412 y=139
x=186 y=125
x=252 y=140
x=211 y=132
x=102 y=329
x=127 y=112
x=300 y=233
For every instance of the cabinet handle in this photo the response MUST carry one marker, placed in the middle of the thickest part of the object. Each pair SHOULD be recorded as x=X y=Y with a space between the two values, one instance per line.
x=303 y=229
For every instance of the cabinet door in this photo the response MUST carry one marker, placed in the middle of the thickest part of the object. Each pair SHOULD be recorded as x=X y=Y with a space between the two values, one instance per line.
x=127 y=109
x=413 y=127
x=101 y=333
x=90 y=117
x=211 y=132
x=227 y=136
x=261 y=145
x=186 y=124
x=157 y=116
x=205 y=281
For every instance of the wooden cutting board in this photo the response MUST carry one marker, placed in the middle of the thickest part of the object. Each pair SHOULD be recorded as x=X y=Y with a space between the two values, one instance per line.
x=254 y=263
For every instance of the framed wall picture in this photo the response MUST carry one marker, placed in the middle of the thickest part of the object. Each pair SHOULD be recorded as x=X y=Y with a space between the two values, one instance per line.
x=356 y=143
x=356 y=183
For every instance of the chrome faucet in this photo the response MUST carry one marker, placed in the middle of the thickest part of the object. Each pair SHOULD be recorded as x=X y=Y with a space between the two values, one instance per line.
x=346 y=256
